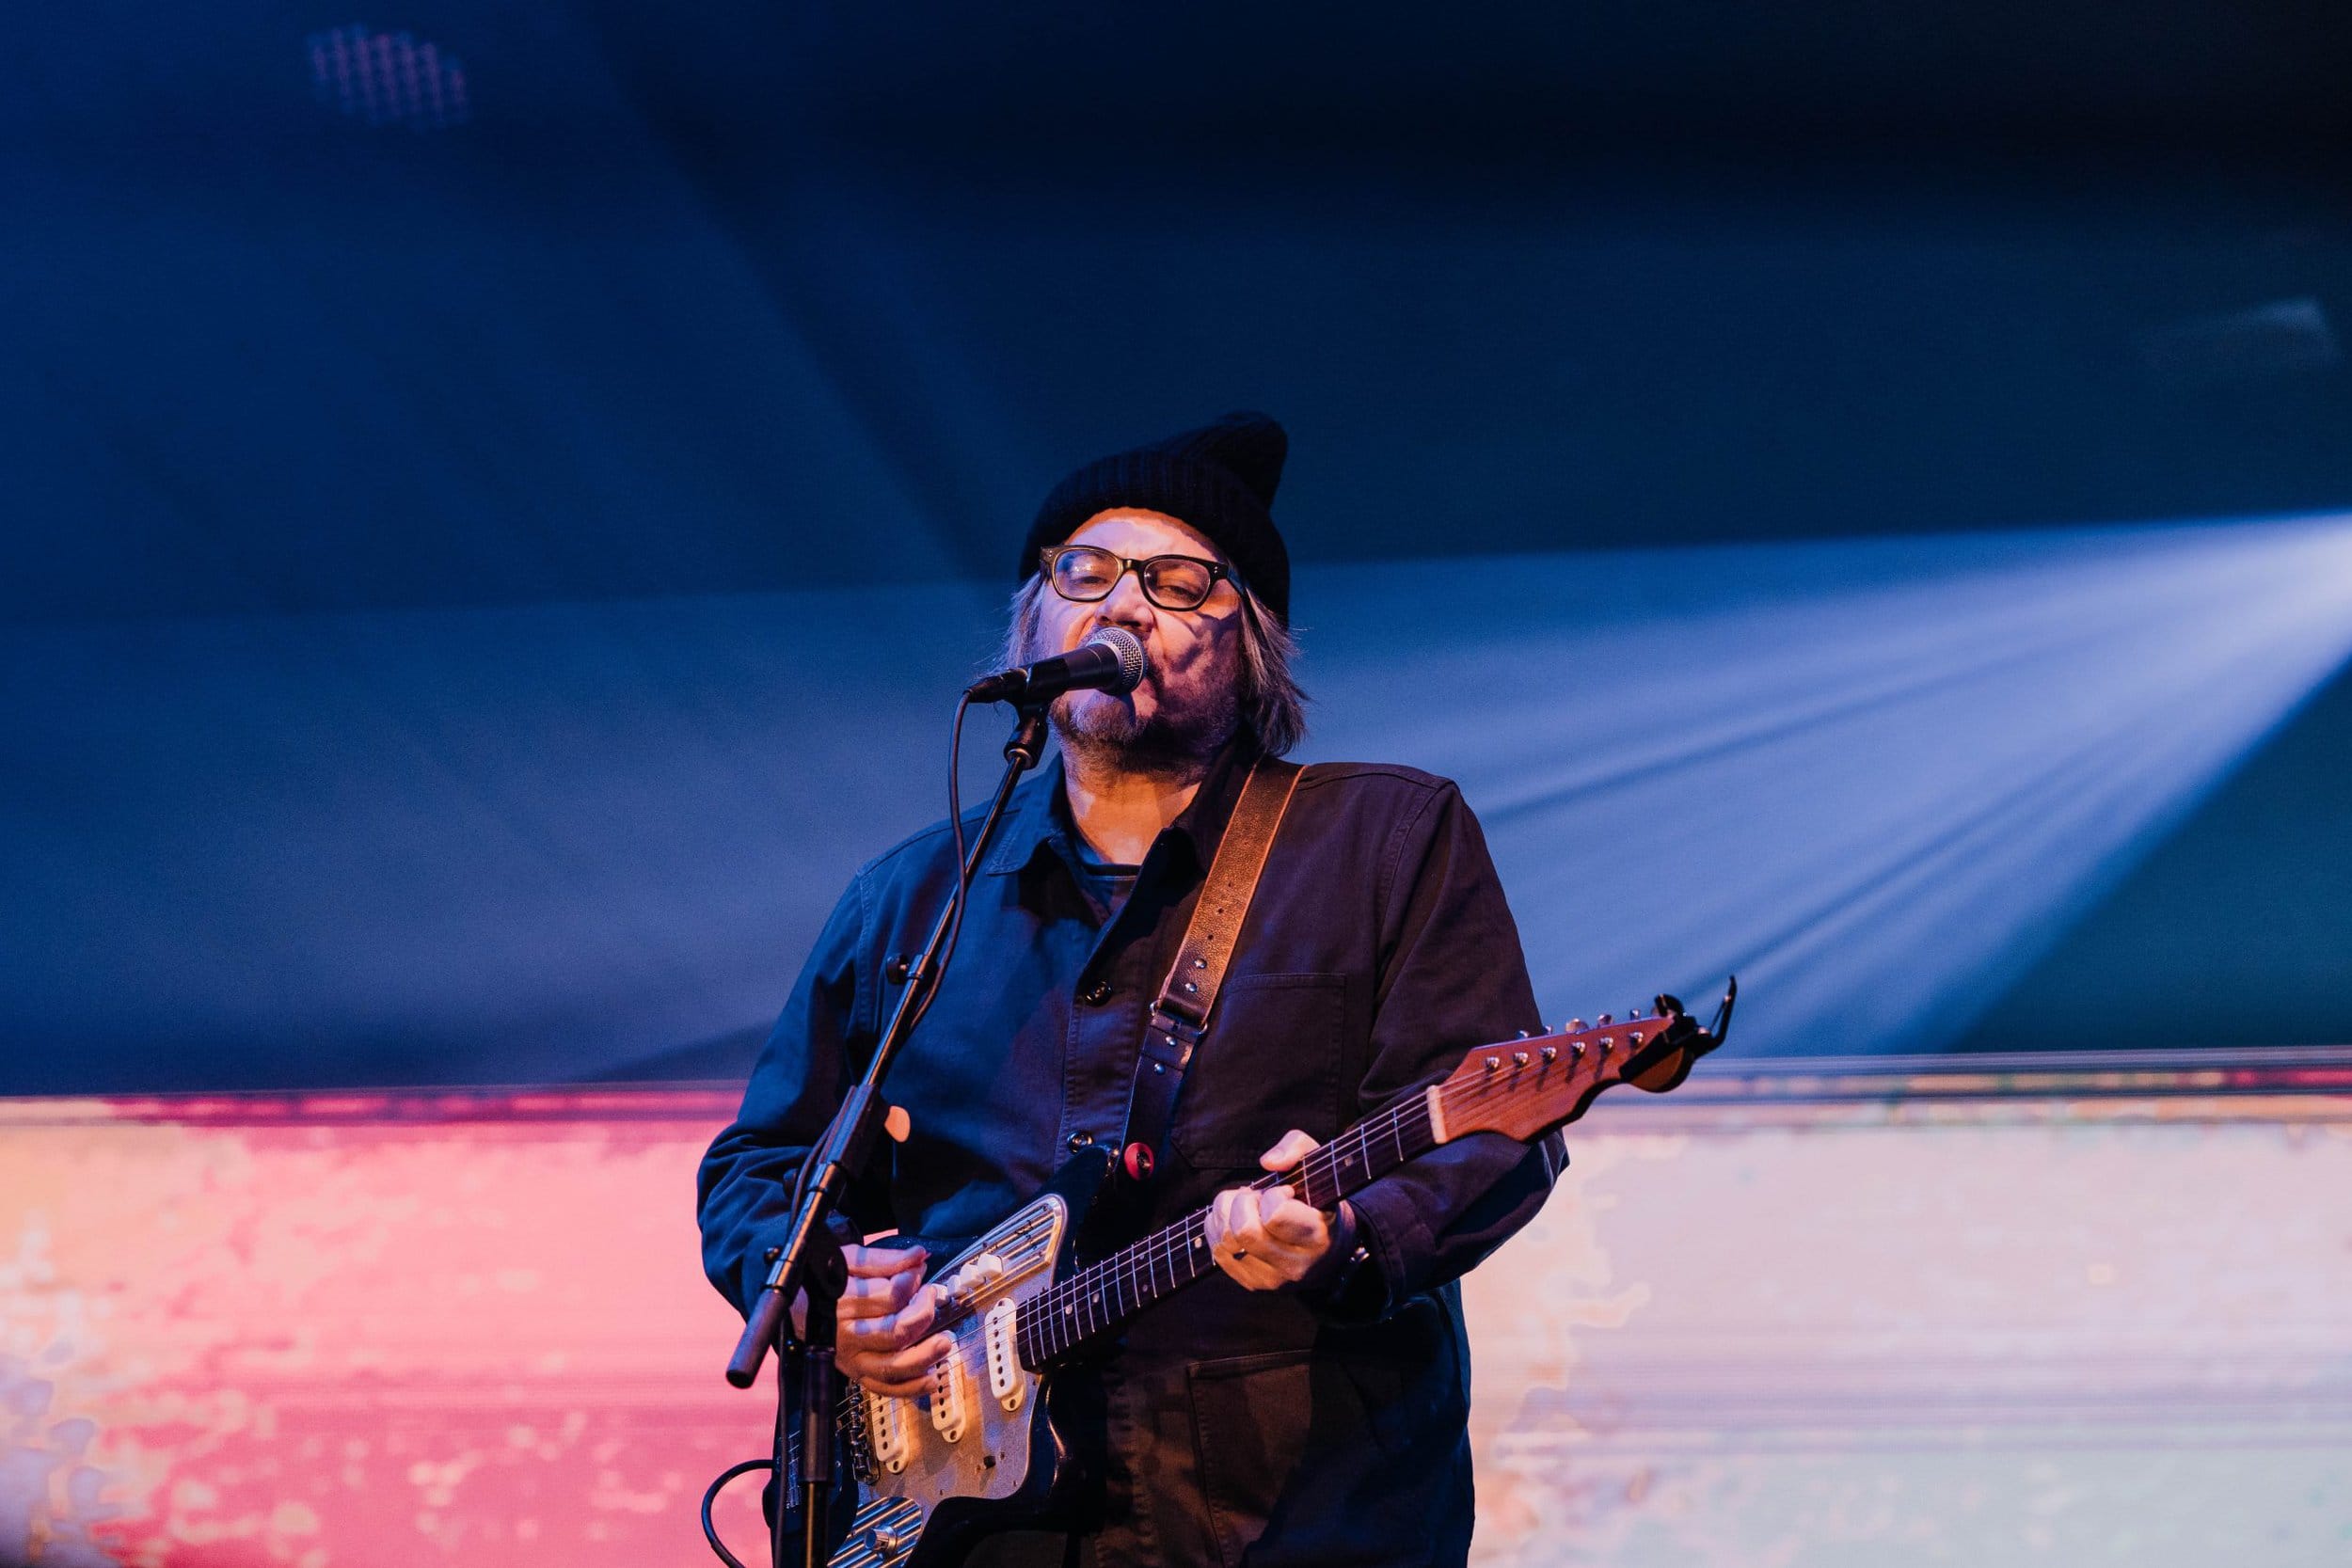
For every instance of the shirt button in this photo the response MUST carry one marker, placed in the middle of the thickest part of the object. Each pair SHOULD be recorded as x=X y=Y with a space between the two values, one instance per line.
x=1080 y=1140
x=1097 y=994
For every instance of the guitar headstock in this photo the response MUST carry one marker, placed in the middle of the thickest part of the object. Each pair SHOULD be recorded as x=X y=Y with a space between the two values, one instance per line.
x=1525 y=1088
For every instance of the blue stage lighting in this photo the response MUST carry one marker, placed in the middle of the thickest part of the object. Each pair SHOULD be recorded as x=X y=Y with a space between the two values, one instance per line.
x=516 y=843
x=1875 y=778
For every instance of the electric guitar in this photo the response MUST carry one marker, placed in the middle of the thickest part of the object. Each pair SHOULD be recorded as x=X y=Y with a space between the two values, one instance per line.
x=980 y=1452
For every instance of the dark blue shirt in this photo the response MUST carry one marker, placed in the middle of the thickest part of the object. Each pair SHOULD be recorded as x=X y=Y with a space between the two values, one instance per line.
x=1378 y=950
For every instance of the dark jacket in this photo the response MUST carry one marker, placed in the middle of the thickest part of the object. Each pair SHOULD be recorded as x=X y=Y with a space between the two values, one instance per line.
x=1304 y=1426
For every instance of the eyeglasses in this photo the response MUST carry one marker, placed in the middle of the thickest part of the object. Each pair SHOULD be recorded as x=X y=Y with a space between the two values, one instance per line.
x=1085 y=574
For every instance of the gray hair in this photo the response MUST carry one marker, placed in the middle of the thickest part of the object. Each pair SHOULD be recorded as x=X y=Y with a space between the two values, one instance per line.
x=1272 y=705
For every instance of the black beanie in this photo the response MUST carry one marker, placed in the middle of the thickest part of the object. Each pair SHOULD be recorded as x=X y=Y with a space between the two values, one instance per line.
x=1218 y=480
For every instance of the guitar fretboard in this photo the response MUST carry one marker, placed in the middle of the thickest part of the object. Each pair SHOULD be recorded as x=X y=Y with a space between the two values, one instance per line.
x=1106 y=1293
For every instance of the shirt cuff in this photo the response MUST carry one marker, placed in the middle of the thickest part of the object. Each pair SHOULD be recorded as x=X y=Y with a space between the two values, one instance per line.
x=1347 y=1285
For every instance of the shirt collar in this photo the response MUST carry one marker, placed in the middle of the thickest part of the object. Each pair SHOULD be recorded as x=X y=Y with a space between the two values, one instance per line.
x=1032 y=821
x=1038 y=816
x=1202 y=823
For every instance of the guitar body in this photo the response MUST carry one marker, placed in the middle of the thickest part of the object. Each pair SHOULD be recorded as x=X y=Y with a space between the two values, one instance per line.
x=980 y=1452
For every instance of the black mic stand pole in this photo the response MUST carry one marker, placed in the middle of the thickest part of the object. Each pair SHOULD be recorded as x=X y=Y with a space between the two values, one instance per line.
x=810 y=1258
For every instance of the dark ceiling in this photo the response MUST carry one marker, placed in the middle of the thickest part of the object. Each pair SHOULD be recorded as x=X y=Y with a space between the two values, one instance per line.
x=741 y=297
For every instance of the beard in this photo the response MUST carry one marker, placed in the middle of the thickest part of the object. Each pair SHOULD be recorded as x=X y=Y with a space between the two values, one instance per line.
x=1175 y=740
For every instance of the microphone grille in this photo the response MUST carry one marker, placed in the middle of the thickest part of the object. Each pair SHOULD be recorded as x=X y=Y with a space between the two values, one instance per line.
x=1128 y=648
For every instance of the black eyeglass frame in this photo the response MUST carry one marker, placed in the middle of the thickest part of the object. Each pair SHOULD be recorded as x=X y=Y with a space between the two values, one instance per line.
x=1217 y=571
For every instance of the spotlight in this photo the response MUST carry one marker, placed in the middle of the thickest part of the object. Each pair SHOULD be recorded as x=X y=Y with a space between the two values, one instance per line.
x=387 y=79
x=1875 y=778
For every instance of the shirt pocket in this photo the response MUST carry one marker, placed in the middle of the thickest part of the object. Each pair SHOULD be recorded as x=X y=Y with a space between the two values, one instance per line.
x=1251 y=1419
x=1329 y=1455
x=1269 y=1062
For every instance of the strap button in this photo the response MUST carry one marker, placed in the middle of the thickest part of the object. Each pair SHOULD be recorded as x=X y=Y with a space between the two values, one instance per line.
x=1096 y=995
x=1081 y=1140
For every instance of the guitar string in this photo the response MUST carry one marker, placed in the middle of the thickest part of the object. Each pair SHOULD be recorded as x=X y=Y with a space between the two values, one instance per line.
x=1139 y=1262
x=1136 y=1264
x=1027 y=1236
x=1134 y=1269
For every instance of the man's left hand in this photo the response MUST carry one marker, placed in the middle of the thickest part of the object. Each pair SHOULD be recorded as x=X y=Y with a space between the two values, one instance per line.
x=1266 y=1240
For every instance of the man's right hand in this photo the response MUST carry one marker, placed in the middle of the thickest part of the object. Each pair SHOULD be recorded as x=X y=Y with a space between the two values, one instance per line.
x=883 y=1336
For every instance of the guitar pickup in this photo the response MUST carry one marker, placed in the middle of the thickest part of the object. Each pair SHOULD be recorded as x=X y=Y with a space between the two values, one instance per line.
x=951 y=1406
x=1003 y=1365
x=886 y=1428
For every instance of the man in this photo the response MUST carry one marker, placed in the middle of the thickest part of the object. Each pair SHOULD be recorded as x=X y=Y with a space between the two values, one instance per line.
x=1309 y=1404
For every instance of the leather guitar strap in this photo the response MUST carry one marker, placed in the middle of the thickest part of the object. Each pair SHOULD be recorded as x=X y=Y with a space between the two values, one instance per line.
x=1188 y=996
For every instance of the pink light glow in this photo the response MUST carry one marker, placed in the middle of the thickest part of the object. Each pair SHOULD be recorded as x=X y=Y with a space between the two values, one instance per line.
x=1967 y=1316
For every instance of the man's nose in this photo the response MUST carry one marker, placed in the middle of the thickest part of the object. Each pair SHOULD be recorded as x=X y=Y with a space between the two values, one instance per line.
x=1126 y=604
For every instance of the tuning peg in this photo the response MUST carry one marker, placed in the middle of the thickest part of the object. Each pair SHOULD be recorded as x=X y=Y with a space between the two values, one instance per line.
x=1607 y=1018
x=1575 y=1026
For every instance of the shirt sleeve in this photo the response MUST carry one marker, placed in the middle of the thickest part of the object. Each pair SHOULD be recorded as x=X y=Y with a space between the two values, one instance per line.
x=808 y=1064
x=1452 y=977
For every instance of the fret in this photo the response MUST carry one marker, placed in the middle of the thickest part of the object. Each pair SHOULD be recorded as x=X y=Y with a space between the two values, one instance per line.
x=1116 y=1288
x=1063 y=1315
x=1314 y=1181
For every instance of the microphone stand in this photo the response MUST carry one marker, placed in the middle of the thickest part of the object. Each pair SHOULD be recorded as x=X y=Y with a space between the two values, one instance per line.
x=810 y=1258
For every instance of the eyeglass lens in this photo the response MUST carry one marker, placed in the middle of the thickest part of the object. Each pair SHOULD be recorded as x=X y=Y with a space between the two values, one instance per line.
x=1170 y=582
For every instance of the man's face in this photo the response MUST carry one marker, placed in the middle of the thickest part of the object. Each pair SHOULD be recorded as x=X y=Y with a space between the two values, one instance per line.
x=1188 y=702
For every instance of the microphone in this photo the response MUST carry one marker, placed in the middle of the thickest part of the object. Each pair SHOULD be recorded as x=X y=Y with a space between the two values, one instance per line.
x=1110 y=659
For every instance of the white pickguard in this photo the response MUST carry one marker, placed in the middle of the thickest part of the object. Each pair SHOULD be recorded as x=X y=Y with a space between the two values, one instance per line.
x=970 y=1437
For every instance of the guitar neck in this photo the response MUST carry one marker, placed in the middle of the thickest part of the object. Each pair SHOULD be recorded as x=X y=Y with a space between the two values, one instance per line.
x=1519 y=1088
x=1105 y=1295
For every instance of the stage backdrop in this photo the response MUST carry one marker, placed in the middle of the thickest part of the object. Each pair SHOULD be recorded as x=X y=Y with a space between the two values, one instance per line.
x=1879 y=779
x=1821 y=1316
